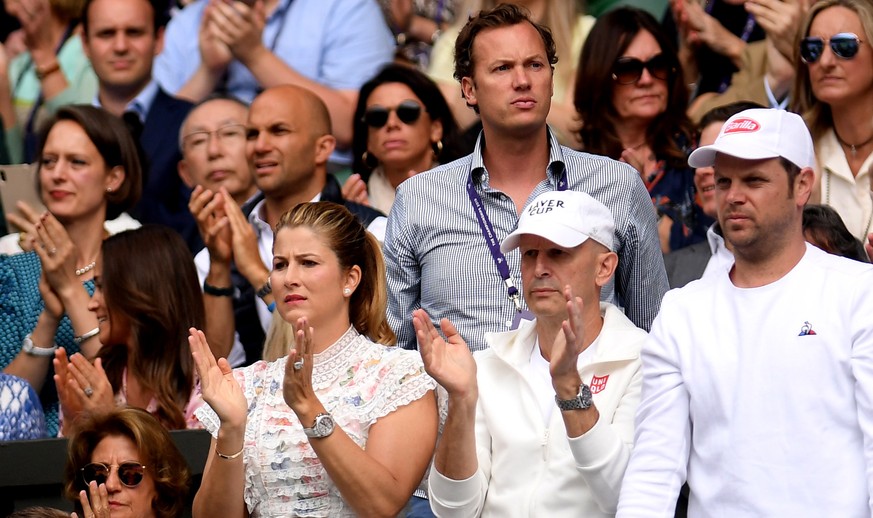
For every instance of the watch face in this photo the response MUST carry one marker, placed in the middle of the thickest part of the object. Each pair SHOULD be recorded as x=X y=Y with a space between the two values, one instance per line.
x=323 y=425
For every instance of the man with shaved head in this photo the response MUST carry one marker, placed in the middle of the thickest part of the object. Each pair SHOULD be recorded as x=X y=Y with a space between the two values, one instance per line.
x=288 y=143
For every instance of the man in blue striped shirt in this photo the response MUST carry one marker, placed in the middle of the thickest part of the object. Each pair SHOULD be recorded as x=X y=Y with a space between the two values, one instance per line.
x=442 y=243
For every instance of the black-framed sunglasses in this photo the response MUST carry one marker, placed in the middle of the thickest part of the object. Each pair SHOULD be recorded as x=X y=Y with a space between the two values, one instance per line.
x=844 y=46
x=628 y=71
x=129 y=473
x=377 y=116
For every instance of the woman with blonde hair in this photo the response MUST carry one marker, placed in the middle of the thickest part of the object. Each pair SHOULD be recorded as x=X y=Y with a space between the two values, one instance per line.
x=833 y=90
x=569 y=29
x=343 y=425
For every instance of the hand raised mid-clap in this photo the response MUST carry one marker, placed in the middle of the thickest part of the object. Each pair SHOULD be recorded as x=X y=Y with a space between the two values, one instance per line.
x=448 y=361
x=219 y=388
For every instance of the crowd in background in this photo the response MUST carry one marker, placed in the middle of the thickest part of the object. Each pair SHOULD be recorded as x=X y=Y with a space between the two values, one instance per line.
x=232 y=232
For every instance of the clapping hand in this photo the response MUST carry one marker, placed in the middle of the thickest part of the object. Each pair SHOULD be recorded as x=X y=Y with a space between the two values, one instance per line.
x=297 y=386
x=354 y=189
x=219 y=388
x=215 y=55
x=208 y=210
x=25 y=222
x=244 y=242
x=567 y=347
x=448 y=361
x=239 y=26
x=82 y=387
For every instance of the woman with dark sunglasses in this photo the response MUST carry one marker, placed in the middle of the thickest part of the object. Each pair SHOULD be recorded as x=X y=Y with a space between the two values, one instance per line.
x=124 y=463
x=402 y=126
x=632 y=99
x=833 y=90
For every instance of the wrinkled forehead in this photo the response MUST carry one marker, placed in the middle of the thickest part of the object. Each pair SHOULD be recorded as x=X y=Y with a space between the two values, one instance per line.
x=215 y=114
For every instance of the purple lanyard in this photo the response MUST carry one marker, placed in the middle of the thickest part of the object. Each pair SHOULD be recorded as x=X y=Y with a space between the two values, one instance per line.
x=491 y=238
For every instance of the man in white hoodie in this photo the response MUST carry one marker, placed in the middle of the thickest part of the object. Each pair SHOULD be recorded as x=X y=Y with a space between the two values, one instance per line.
x=758 y=380
x=540 y=423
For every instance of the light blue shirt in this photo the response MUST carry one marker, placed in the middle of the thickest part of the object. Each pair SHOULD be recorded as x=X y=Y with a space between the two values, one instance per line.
x=437 y=259
x=338 y=43
x=141 y=104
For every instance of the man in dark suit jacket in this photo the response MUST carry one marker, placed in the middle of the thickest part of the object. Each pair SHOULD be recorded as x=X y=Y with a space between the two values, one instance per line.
x=122 y=38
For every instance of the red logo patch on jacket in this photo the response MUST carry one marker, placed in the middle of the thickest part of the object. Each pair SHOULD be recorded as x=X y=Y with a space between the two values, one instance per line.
x=598 y=383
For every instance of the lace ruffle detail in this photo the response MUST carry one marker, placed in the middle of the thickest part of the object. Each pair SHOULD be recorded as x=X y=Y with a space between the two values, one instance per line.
x=331 y=362
x=357 y=381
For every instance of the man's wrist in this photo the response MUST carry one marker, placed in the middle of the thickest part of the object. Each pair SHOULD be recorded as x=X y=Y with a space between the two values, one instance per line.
x=253 y=55
x=465 y=402
x=219 y=271
x=256 y=276
x=567 y=388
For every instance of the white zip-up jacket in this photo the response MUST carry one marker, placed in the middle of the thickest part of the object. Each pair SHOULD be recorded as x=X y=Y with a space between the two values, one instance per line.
x=528 y=469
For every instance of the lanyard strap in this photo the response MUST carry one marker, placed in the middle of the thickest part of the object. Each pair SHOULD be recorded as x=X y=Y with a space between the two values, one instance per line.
x=491 y=238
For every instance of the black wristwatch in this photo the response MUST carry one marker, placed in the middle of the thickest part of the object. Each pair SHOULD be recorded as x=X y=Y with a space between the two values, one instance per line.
x=265 y=290
x=581 y=402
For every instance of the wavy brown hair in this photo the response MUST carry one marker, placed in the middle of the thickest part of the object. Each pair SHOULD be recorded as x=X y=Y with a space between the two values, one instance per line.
x=606 y=43
x=353 y=245
x=157 y=452
x=149 y=278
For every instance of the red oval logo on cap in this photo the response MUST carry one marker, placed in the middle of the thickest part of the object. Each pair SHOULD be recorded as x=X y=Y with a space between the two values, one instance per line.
x=741 y=125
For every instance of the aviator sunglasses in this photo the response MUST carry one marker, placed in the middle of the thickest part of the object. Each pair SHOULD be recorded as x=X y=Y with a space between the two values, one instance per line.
x=129 y=473
x=844 y=45
x=628 y=71
x=377 y=116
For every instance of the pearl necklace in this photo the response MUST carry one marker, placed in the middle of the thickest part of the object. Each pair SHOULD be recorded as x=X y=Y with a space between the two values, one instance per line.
x=85 y=269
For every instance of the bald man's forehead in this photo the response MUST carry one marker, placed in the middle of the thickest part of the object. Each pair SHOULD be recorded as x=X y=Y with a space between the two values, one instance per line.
x=293 y=106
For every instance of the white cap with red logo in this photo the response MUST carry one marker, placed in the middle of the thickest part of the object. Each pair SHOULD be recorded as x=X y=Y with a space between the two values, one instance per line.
x=758 y=134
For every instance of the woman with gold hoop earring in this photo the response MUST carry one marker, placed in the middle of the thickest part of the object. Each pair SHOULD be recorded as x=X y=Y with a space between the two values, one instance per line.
x=402 y=126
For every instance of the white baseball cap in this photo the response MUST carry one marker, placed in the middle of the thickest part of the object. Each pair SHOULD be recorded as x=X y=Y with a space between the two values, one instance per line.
x=566 y=218
x=758 y=134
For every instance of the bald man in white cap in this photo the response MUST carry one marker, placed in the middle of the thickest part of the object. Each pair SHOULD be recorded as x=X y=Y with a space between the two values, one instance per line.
x=758 y=381
x=541 y=422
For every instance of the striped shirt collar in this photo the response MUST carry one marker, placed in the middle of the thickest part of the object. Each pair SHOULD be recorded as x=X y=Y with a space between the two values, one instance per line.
x=554 y=170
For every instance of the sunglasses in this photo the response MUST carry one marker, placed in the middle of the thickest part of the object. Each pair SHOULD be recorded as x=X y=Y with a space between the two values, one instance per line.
x=377 y=116
x=844 y=45
x=129 y=473
x=628 y=71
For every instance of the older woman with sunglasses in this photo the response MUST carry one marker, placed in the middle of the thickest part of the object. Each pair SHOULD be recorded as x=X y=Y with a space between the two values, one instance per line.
x=402 y=126
x=124 y=463
x=632 y=100
x=833 y=90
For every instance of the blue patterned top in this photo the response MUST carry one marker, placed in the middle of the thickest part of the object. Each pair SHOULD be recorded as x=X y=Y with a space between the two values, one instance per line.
x=20 y=307
x=21 y=415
